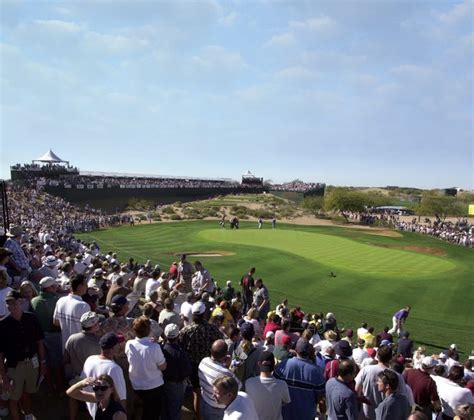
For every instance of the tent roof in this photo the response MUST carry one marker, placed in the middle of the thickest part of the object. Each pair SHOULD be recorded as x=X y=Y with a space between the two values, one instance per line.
x=50 y=156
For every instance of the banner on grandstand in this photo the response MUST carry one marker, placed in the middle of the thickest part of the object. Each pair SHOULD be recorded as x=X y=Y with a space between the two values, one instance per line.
x=100 y=186
x=470 y=211
x=67 y=185
x=80 y=186
x=90 y=186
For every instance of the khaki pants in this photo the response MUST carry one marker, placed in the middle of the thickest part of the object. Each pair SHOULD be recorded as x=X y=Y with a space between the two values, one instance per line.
x=25 y=379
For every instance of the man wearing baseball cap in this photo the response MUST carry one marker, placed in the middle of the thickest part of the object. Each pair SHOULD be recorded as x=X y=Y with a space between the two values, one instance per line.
x=78 y=348
x=104 y=364
x=305 y=382
x=43 y=306
x=177 y=371
x=264 y=388
x=196 y=340
x=22 y=355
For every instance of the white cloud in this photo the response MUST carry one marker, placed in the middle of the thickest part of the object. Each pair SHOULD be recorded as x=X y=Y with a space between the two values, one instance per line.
x=227 y=20
x=296 y=73
x=215 y=57
x=113 y=44
x=332 y=59
x=412 y=71
x=457 y=13
x=58 y=26
x=283 y=40
x=322 y=24
x=301 y=28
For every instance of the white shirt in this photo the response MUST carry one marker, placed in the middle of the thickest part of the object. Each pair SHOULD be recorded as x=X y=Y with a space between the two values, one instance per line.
x=151 y=286
x=95 y=366
x=241 y=408
x=68 y=312
x=262 y=390
x=451 y=394
x=144 y=357
x=187 y=311
x=359 y=355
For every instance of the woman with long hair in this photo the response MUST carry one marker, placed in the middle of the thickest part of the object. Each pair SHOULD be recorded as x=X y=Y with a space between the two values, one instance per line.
x=103 y=394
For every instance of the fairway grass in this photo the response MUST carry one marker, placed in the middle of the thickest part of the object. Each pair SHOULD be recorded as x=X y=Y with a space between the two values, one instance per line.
x=376 y=275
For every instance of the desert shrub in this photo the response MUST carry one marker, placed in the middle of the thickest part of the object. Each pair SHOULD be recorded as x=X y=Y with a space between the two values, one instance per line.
x=175 y=217
x=168 y=210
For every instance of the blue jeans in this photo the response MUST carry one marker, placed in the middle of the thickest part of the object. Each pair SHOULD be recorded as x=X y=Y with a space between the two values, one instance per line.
x=210 y=413
x=173 y=397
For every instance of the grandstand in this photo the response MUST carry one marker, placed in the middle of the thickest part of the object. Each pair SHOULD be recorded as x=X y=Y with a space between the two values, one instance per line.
x=112 y=191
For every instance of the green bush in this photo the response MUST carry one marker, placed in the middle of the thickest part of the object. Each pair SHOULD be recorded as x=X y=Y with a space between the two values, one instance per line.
x=168 y=210
x=175 y=217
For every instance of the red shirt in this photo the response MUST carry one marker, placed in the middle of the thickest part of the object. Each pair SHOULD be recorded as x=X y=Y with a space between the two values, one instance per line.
x=423 y=387
x=271 y=326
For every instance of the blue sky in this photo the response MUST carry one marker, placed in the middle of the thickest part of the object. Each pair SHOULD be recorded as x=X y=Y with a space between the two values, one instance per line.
x=344 y=92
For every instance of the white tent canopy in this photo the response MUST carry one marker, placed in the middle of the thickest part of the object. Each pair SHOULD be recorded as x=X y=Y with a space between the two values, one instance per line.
x=50 y=157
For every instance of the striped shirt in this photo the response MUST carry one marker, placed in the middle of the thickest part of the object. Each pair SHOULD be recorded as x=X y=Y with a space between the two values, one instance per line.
x=68 y=312
x=209 y=371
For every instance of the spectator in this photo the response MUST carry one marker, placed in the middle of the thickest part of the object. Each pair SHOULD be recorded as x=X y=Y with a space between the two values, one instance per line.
x=340 y=399
x=104 y=364
x=247 y=283
x=103 y=398
x=360 y=353
x=261 y=300
x=196 y=340
x=451 y=392
x=70 y=308
x=246 y=354
x=423 y=386
x=215 y=366
x=264 y=388
x=146 y=363
x=384 y=335
x=237 y=404
x=395 y=406
x=22 y=356
x=43 y=306
x=305 y=382
x=178 y=369
x=366 y=381
x=185 y=273
x=405 y=345
x=18 y=261
x=228 y=293
x=168 y=316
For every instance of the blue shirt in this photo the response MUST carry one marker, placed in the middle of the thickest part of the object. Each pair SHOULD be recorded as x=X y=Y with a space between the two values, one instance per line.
x=341 y=401
x=401 y=314
x=305 y=382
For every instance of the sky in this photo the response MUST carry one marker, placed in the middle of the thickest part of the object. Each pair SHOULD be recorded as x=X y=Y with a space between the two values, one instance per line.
x=362 y=93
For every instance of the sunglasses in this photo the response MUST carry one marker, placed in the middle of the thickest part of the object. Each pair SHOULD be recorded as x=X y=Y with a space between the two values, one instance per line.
x=102 y=388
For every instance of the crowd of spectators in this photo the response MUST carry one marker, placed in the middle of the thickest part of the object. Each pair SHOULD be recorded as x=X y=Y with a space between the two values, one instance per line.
x=130 y=338
x=458 y=233
x=50 y=168
x=35 y=209
x=297 y=186
x=90 y=181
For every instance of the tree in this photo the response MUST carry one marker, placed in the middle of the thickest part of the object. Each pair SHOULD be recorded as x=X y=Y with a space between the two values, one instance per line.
x=342 y=199
x=313 y=204
x=441 y=206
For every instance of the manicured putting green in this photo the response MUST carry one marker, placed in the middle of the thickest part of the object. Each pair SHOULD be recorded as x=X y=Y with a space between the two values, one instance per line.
x=335 y=252
x=375 y=275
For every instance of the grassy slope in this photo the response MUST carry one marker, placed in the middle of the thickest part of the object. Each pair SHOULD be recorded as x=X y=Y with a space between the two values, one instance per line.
x=372 y=280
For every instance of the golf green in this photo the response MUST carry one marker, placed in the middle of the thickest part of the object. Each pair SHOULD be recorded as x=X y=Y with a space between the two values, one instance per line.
x=375 y=275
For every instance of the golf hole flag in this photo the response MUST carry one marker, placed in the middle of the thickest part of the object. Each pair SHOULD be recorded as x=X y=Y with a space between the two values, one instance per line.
x=470 y=212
